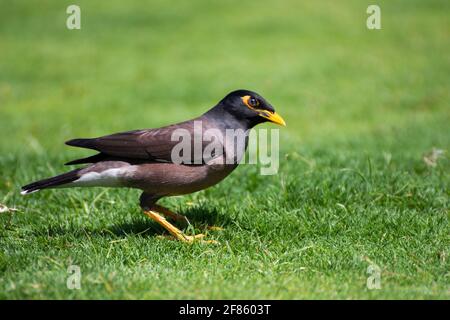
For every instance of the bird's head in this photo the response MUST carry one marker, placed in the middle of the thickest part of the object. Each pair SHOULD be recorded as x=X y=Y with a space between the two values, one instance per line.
x=249 y=108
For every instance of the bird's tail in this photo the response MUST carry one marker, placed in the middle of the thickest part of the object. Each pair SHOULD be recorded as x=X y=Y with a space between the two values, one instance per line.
x=52 y=182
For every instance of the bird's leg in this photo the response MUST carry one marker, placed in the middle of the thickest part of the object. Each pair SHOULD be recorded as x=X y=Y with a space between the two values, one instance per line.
x=178 y=217
x=174 y=231
x=168 y=213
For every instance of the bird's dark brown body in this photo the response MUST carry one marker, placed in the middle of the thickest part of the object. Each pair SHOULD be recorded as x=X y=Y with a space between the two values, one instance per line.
x=159 y=179
x=162 y=179
x=144 y=159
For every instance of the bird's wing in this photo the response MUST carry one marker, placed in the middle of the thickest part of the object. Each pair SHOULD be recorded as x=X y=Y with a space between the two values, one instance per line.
x=150 y=144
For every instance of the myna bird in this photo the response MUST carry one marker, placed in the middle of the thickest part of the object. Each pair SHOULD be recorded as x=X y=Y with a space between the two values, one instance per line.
x=144 y=159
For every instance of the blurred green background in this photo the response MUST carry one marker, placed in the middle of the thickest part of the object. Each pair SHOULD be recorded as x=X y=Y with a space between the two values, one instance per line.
x=367 y=101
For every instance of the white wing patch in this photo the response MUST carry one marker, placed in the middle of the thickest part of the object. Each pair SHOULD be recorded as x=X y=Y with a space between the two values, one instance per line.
x=107 y=178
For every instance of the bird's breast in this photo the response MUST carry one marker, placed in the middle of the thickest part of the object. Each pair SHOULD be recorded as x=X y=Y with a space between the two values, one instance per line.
x=175 y=179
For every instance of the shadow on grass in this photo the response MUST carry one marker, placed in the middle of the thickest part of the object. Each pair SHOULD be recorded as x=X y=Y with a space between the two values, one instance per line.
x=199 y=218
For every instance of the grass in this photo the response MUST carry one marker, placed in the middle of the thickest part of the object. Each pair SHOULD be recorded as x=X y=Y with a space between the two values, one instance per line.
x=363 y=108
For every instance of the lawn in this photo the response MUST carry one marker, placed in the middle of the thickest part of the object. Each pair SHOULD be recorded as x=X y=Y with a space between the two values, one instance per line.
x=364 y=110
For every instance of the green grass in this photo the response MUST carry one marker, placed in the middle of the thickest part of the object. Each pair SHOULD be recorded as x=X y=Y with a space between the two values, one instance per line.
x=362 y=107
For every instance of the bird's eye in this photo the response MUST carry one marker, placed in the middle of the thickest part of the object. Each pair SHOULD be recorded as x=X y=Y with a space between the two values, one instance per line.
x=253 y=102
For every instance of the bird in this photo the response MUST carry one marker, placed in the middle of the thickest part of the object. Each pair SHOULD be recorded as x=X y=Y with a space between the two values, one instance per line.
x=148 y=160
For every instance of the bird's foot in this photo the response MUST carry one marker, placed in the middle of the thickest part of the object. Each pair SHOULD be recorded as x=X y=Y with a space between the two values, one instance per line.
x=174 y=231
x=198 y=238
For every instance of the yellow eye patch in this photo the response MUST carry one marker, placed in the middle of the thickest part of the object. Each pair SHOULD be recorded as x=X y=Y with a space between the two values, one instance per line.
x=246 y=100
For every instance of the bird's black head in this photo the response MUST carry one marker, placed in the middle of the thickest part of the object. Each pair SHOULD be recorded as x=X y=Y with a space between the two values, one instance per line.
x=248 y=108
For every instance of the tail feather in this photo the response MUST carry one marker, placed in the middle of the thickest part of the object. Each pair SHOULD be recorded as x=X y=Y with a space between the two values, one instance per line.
x=82 y=143
x=51 y=182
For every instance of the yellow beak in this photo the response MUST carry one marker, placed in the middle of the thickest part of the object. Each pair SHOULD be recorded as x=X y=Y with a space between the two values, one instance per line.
x=273 y=117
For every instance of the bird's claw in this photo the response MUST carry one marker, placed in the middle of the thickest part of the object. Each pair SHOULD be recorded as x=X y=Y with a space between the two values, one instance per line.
x=197 y=238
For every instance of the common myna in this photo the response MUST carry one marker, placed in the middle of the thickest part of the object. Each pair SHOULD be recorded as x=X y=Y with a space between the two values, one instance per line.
x=145 y=159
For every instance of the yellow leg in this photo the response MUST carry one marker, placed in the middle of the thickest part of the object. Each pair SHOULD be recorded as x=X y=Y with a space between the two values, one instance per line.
x=172 y=215
x=178 y=217
x=174 y=231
